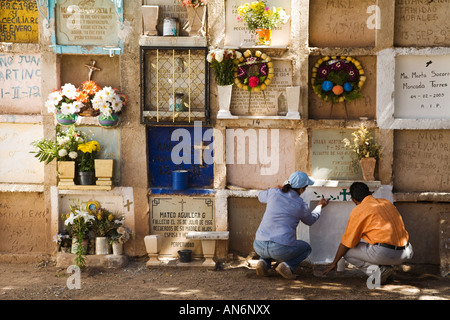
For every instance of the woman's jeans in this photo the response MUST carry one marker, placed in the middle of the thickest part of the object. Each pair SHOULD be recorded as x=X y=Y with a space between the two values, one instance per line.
x=291 y=255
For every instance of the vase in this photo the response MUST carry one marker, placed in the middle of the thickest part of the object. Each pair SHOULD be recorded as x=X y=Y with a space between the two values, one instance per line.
x=66 y=173
x=149 y=20
x=108 y=121
x=104 y=171
x=117 y=248
x=224 y=96
x=101 y=245
x=196 y=22
x=368 y=168
x=84 y=245
x=263 y=37
x=66 y=119
x=86 y=178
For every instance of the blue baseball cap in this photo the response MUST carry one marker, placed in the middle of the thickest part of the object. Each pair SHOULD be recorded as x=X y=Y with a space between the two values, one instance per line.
x=299 y=179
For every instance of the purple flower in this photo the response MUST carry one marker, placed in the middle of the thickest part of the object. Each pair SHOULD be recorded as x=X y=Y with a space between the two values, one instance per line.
x=323 y=72
x=241 y=72
x=338 y=65
x=263 y=69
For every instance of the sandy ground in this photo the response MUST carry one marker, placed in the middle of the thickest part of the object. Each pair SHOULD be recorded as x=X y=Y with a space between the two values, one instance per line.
x=237 y=281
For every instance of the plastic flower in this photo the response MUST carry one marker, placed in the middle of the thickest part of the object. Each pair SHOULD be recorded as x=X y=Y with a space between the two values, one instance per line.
x=224 y=63
x=253 y=82
x=73 y=155
x=69 y=91
x=89 y=147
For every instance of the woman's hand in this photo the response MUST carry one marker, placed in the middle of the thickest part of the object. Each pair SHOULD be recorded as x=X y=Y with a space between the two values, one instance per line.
x=323 y=202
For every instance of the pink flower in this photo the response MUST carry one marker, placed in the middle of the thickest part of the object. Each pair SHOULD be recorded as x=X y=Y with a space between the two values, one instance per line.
x=253 y=82
x=266 y=8
x=239 y=18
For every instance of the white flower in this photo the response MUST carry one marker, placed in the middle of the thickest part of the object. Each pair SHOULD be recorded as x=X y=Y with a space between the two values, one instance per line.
x=70 y=219
x=67 y=108
x=55 y=97
x=105 y=109
x=73 y=154
x=62 y=153
x=209 y=57
x=219 y=55
x=77 y=106
x=116 y=103
x=238 y=54
x=51 y=107
x=69 y=91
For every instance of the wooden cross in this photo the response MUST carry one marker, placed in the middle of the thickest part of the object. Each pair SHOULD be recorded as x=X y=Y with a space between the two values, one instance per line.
x=92 y=69
x=200 y=147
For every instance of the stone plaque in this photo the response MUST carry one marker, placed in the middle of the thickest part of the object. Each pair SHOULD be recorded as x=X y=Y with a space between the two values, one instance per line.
x=81 y=22
x=17 y=164
x=20 y=83
x=19 y=21
x=239 y=36
x=23 y=222
x=422 y=23
x=330 y=160
x=270 y=102
x=259 y=158
x=421 y=160
x=174 y=217
x=341 y=23
x=422 y=87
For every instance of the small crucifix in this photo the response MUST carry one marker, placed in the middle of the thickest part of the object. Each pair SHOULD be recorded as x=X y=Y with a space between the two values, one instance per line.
x=92 y=68
x=200 y=147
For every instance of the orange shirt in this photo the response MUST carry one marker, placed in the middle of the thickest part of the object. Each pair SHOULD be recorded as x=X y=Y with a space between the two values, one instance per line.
x=375 y=221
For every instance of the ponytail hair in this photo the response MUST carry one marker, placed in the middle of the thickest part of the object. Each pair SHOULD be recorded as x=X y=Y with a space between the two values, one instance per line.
x=285 y=188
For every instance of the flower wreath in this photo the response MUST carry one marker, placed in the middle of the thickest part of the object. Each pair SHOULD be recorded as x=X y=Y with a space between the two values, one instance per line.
x=254 y=73
x=335 y=79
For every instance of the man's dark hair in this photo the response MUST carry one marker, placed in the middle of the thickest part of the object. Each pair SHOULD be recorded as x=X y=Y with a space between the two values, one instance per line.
x=359 y=191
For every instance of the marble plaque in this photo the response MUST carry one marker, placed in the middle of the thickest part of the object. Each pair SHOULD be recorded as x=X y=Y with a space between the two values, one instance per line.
x=20 y=83
x=270 y=102
x=81 y=22
x=330 y=160
x=422 y=23
x=422 y=87
x=239 y=36
x=421 y=160
x=19 y=21
x=173 y=217
x=17 y=164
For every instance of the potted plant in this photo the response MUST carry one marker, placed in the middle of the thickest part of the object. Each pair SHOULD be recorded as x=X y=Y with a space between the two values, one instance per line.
x=365 y=151
x=224 y=63
x=119 y=235
x=64 y=104
x=78 y=223
x=86 y=163
x=64 y=148
x=102 y=225
x=262 y=19
x=109 y=102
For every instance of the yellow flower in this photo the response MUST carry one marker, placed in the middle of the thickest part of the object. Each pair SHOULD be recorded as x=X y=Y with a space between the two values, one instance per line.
x=111 y=217
x=99 y=216
x=89 y=147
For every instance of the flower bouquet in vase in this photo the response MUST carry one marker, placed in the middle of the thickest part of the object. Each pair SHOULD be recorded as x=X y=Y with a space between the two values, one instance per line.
x=109 y=102
x=65 y=104
x=262 y=19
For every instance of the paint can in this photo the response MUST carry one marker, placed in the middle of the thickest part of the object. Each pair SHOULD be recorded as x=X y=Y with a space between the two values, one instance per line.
x=170 y=27
x=184 y=255
x=179 y=179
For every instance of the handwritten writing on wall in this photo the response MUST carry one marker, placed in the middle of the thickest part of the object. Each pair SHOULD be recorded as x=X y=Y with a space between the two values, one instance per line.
x=20 y=83
x=17 y=164
x=174 y=217
x=19 y=21
x=82 y=22
x=422 y=160
x=422 y=87
x=23 y=218
x=422 y=23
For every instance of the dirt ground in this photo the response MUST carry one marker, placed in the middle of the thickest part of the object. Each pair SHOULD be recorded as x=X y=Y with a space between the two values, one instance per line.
x=231 y=281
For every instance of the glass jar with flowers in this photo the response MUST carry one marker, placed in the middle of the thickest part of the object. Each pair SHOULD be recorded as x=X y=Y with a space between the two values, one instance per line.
x=262 y=19
x=64 y=104
x=109 y=102
x=365 y=151
x=86 y=162
x=78 y=223
x=64 y=148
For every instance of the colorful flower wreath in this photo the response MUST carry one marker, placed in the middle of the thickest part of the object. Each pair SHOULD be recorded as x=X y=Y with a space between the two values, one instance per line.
x=254 y=73
x=335 y=79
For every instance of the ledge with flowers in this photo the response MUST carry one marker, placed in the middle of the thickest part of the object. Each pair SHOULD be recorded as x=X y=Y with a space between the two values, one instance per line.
x=78 y=165
x=70 y=104
x=90 y=234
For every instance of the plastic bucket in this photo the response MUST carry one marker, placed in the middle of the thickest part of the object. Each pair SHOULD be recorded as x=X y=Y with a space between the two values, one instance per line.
x=185 y=255
x=179 y=179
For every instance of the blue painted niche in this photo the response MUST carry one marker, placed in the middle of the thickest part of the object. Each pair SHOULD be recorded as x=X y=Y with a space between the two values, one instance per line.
x=160 y=164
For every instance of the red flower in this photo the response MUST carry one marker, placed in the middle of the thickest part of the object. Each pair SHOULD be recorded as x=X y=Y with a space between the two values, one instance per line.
x=253 y=82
